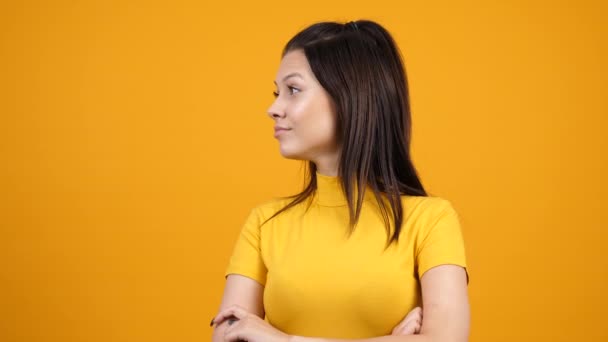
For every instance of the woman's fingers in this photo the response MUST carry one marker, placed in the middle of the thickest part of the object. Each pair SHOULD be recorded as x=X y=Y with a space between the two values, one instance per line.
x=411 y=324
x=415 y=313
x=407 y=328
x=234 y=311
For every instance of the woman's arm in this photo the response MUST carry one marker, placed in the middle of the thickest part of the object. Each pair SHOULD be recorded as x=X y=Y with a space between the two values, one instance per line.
x=244 y=292
x=445 y=315
x=445 y=307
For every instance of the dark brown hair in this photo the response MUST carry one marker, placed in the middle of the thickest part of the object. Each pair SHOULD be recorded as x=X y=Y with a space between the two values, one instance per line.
x=361 y=68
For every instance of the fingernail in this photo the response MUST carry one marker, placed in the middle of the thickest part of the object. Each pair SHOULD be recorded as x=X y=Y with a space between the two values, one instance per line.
x=213 y=319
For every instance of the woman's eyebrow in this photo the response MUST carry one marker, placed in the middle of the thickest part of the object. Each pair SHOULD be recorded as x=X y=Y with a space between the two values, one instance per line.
x=293 y=74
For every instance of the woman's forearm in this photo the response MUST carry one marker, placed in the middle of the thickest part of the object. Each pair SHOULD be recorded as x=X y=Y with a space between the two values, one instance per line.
x=390 y=338
x=218 y=332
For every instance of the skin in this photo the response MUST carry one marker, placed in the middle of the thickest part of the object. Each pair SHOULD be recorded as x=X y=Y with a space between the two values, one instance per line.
x=306 y=110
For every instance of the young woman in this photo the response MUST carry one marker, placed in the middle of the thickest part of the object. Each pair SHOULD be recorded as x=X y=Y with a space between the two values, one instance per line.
x=334 y=263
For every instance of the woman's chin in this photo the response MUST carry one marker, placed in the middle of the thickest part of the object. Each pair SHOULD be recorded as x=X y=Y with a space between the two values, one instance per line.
x=289 y=154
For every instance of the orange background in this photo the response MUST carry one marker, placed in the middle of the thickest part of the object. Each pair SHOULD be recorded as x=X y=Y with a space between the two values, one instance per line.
x=134 y=140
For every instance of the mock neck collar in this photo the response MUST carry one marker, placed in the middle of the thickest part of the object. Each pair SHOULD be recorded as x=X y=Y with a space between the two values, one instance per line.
x=329 y=191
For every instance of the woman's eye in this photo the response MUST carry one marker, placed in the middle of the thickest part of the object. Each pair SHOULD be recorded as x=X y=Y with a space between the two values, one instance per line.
x=291 y=91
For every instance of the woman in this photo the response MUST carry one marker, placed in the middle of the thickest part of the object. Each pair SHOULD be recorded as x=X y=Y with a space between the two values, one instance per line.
x=334 y=263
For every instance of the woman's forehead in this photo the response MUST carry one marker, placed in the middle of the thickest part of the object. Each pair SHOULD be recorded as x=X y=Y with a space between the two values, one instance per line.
x=294 y=64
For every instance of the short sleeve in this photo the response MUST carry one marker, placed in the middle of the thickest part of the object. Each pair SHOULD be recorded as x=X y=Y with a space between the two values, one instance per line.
x=440 y=242
x=246 y=257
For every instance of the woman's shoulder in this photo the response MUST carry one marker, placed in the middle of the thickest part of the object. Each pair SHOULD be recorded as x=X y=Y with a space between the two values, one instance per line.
x=267 y=208
x=426 y=205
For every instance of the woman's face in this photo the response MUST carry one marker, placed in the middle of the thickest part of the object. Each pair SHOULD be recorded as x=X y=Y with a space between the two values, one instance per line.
x=303 y=112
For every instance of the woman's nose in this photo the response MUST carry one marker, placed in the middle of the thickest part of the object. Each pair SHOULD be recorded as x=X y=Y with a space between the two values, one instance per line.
x=276 y=111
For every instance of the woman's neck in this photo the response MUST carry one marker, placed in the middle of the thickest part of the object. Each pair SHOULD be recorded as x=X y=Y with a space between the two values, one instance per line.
x=327 y=167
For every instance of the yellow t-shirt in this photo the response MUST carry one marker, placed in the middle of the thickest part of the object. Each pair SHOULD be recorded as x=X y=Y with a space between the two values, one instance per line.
x=320 y=282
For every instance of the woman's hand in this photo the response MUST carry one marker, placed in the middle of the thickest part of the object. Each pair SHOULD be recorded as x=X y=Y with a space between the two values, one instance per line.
x=249 y=327
x=411 y=324
x=245 y=326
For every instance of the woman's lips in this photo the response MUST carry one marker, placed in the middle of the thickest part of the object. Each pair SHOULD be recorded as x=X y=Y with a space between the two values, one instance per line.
x=280 y=130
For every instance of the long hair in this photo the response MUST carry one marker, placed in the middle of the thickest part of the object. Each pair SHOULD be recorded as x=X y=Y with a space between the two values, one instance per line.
x=361 y=68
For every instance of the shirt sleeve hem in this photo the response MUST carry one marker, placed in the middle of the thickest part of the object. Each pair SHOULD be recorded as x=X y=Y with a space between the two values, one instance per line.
x=423 y=270
x=258 y=278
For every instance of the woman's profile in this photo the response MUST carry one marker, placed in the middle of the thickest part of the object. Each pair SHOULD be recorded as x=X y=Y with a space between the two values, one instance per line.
x=363 y=247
